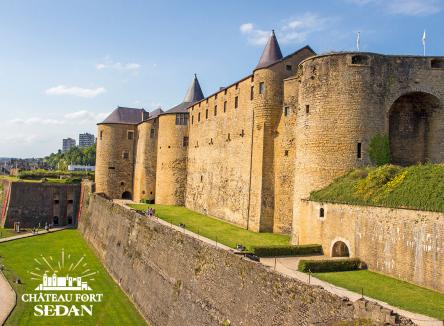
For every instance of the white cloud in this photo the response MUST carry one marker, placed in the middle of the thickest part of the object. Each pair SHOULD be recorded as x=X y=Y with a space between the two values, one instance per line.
x=405 y=7
x=109 y=64
x=36 y=121
x=75 y=91
x=294 y=30
x=86 y=116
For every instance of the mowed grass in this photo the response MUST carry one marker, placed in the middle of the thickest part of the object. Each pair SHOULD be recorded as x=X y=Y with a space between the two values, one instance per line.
x=6 y=233
x=212 y=228
x=417 y=187
x=395 y=292
x=18 y=257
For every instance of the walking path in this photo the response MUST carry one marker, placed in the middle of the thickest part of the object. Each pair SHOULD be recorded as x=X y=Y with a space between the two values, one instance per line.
x=289 y=267
x=30 y=234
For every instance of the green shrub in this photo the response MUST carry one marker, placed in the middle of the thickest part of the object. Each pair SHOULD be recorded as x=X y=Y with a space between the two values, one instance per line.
x=286 y=250
x=330 y=265
x=147 y=201
x=40 y=174
x=379 y=150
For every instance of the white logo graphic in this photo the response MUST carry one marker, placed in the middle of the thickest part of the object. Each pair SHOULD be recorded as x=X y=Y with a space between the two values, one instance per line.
x=67 y=283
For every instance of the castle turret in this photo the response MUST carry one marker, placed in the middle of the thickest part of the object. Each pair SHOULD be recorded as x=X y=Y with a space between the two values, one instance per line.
x=172 y=149
x=269 y=74
x=116 y=143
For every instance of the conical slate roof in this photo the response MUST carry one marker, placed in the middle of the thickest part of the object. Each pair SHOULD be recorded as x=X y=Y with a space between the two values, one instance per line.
x=271 y=54
x=194 y=94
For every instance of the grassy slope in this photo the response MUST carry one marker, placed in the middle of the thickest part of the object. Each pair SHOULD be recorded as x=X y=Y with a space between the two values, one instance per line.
x=418 y=187
x=5 y=233
x=395 y=292
x=214 y=229
x=115 y=309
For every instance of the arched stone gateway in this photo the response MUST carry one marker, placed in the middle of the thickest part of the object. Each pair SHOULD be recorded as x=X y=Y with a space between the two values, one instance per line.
x=414 y=128
x=126 y=195
x=340 y=249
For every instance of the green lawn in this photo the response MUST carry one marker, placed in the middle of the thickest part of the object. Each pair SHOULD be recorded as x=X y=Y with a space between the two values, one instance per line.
x=417 y=186
x=5 y=233
x=225 y=233
x=19 y=259
x=395 y=292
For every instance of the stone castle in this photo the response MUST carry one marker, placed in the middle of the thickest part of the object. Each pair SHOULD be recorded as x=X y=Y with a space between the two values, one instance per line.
x=252 y=151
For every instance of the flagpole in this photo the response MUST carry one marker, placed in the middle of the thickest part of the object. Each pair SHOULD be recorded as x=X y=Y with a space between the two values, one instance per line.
x=424 y=43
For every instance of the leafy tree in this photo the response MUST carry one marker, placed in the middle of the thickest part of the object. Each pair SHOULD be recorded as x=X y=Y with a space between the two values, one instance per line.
x=75 y=156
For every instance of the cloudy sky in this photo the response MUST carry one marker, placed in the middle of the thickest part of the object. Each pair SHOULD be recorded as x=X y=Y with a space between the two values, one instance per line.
x=64 y=65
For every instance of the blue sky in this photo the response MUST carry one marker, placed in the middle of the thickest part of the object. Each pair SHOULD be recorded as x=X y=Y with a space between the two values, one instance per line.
x=64 y=65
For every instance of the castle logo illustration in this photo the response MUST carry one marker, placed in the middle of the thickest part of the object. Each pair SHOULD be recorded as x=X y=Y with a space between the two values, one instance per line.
x=67 y=283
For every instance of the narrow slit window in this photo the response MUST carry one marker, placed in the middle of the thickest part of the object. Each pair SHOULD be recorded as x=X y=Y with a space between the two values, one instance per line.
x=215 y=110
x=252 y=93
x=286 y=110
x=101 y=134
x=359 y=150
x=261 y=88
x=225 y=106
x=198 y=117
x=192 y=119
x=236 y=102
x=185 y=141
x=321 y=212
x=206 y=114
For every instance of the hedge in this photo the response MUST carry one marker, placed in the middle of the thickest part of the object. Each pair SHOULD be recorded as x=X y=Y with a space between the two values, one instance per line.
x=40 y=174
x=330 y=265
x=286 y=250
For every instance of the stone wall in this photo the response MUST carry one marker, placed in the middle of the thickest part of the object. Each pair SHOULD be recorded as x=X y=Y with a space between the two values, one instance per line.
x=174 y=279
x=345 y=99
x=31 y=203
x=406 y=244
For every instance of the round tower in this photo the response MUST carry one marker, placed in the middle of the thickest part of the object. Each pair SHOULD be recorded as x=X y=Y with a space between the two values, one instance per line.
x=172 y=146
x=146 y=158
x=115 y=155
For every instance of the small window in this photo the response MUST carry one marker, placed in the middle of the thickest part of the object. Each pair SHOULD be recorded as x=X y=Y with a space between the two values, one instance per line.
x=286 y=109
x=359 y=60
x=201 y=178
x=198 y=117
x=286 y=153
x=70 y=201
x=122 y=183
x=152 y=132
x=215 y=96
x=321 y=212
x=215 y=110
x=125 y=155
x=242 y=134
x=225 y=106
x=130 y=135
x=229 y=137
x=236 y=102
x=251 y=93
x=437 y=63
x=206 y=114
x=111 y=168
x=288 y=67
x=261 y=88
x=359 y=148
x=182 y=119
x=185 y=141
x=307 y=108
x=56 y=201
x=237 y=85
x=192 y=119
x=199 y=103
x=211 y=141
x=101 y=134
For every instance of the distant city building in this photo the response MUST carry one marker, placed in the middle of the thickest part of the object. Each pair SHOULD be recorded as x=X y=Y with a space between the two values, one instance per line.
x=68 y=143
x=86 y=140
x=81 y=168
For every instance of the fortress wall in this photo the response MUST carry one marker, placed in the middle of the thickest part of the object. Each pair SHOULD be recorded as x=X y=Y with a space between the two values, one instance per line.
x=268 y=109
x=171 y=174
x=406 y=244
x=174 y=279
x=114 y=174
x=350 y=104
x=146 y=161
x=4 y=188
x=31 y=203
x=219 y=168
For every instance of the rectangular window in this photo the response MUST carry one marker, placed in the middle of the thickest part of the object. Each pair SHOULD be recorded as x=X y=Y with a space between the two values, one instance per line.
x=192 y=119
x=152 y=132
x=288 y=67
x=237 y=85
x=215 y=110
x=181 y=119
x=286 y=109
x=101 y=134
x=225 y=106
x=286 y=153
x=125 y=155
x=130 y=135
x=236 y=102
x=307 y=108
x=206 y=114
x=185 y=142
x=198 y=117
x=251 y=93
x=359 y=152
x=261 y=88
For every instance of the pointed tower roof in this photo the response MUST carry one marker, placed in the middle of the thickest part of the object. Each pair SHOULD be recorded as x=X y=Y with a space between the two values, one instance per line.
x=271 y=54
x=194 y=94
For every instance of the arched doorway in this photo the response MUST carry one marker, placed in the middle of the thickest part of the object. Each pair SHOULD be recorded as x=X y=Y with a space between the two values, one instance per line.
x=55 y=220
x=126 y=195
x=340 y=249
x=410 y=128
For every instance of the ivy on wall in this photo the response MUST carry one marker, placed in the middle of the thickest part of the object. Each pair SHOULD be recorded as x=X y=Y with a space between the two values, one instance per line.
x=379 y=150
